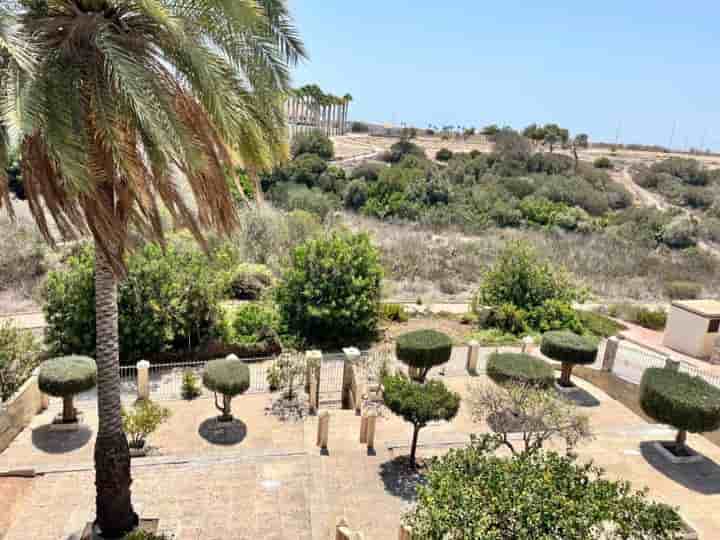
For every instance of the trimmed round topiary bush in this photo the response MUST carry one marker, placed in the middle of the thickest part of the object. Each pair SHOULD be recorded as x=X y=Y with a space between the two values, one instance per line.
x=422 y=350
x=227 y=376
x=680 y=400
x=570 y=349
x=521 y=368
x=66 y=376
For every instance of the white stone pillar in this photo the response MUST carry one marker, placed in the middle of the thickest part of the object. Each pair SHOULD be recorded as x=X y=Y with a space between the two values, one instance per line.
x=313 y=360
x=143 y=379
x=350 y=376
x=473 y=356
x=673 y=365
x=323 y=430
x=363 y=428
x=611 y=349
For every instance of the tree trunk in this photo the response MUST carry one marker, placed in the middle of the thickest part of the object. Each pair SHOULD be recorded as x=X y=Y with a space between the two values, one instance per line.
x=565 y=373
x=115 y=514
x=413 y=448
x=680 y=440
x=68 y=415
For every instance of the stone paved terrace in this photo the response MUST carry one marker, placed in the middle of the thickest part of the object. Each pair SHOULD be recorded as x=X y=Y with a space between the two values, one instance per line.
x=275 y=484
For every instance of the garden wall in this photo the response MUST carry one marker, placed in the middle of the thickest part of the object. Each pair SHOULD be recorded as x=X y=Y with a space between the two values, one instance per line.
x=18 y=411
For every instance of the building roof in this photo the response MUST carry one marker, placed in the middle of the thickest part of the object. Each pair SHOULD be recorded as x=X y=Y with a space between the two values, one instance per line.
x=705 y=308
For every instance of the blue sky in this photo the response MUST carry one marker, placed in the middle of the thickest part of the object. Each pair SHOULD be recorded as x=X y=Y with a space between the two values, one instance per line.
x=586 y=65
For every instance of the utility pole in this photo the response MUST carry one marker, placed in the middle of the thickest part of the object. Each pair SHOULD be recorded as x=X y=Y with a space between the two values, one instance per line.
x=617 y=133
x=672 y=135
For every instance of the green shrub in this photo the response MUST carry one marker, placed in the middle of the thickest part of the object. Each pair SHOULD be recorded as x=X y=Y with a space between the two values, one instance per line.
x=598 y=325
x=683 y=290
x=652 y=319
x=508 y=318
x=570 y=349
x=603 y=163
x=18 y=358
x=305 y=169
x=190 y=385
x=403 y=148
x=333 y=180
x=248 y=281
x=291 y=196
x=253 y=321
x=506 y=368
x=356 y=194
x=331 y=290
x=369 y=171
x=419 y=404
x=540 y=496
x=66 y=376
x=168 y=300
x=443 y=155
x=227 y=376
x=684 y=402
x=394 y=313
x=142 y=420
x=423 y=350
x=315 y=142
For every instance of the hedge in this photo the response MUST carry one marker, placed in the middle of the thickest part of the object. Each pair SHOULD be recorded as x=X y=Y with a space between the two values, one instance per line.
x=227 y=376
x=423 y=349
x=680 y=400
x=519 y=368
x=67 y=375
x=569 y=347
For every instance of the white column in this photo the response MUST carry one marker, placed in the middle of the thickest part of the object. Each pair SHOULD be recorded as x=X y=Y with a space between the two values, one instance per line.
x=314 y=364
x=370 y=434
x=473 y=356
x=611 y=349
x=143 y=379
x=323 y=430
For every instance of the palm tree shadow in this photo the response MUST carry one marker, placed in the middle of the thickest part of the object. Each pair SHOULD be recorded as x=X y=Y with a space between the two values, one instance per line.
x=702 y=477
x=60 y=442
x=223 y=433
x=400 y=478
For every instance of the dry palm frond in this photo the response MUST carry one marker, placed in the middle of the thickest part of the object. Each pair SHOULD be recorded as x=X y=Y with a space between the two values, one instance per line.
x=113 y=102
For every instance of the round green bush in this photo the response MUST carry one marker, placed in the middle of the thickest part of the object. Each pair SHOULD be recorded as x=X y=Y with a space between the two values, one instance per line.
x=444 y=155
x=519 y=368
x=680 y=400
x=315 y=142
x=67 y=375
x=568 y=347
x=423 y=349
x=227 y=376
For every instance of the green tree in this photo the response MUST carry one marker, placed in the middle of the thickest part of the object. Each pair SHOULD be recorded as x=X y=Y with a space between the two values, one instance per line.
x=229 y=377
x=419 y=404
x=472 y=493
x=112 y=101
x=422 y=350
x=331 y=291
x=579 y=141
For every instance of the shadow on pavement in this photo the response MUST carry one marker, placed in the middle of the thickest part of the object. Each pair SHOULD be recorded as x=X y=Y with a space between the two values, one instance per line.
x=223 y=433
x=582 y=398
x=400 y=478
x=702 y=477
x=60 y=442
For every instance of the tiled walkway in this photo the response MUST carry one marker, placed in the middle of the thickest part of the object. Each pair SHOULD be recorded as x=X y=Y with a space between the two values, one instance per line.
x=275 y=484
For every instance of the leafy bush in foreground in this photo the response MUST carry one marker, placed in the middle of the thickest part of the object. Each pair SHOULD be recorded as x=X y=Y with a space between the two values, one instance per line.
x=331 y=291
x=18 y=358
x=540 y=496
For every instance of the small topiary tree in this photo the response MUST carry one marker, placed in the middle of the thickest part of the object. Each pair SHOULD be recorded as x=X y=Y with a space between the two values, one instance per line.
x=504 y=368
x=227 y=376
x=419 y=404
x=66 y=376
x=570 y=349
x=422 y=350
x=680 y=400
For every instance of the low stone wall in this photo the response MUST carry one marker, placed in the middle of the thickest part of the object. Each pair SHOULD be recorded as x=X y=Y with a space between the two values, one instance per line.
x=18 y=411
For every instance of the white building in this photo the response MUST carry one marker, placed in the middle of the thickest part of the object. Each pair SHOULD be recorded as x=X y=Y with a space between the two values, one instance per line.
x=692 y=327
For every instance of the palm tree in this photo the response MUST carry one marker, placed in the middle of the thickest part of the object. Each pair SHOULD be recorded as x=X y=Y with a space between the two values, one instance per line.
x=114 y=103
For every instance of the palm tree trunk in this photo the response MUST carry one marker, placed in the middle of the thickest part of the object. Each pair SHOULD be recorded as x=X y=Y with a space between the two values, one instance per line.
x=115 y=514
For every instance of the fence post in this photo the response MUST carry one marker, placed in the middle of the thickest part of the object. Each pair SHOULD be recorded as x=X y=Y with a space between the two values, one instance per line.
x=370 y=433
x=363 y=428
x=352 y=355
x=323 y=430
x=143 y=379
x=313 y=361
x=611 y=350
x=672 y=365
x=473 y=356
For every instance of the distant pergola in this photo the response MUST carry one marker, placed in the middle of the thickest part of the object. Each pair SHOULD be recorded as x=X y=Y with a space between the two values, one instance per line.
x=310 y=109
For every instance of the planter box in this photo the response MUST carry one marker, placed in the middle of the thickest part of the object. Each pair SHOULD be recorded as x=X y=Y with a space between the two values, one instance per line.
x=677 y=460
x=147 y=525
x=58 y=424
